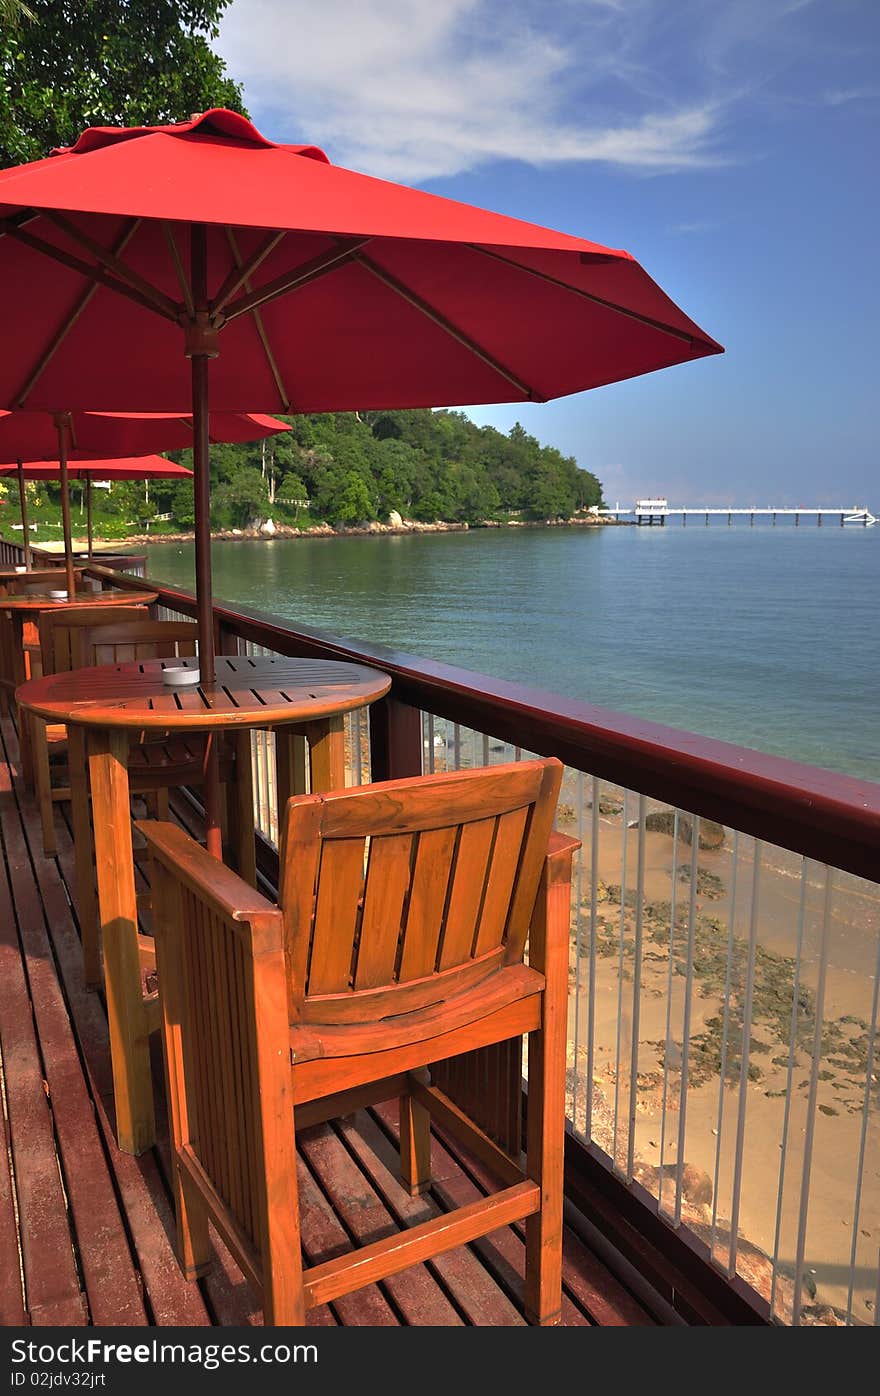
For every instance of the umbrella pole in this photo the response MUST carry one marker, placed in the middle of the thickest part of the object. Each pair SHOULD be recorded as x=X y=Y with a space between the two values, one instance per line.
x=201 y=345
x=89 y=513
x=22 y=500
x=62 y=422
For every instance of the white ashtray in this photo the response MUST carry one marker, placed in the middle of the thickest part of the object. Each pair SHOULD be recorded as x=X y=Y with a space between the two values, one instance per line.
x=180 y=675
x=58 y=593
x=22 y=568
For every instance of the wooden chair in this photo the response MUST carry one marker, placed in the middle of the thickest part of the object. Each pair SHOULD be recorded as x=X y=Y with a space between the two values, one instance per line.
x=61 y=649
x=397 y=941
x=155 y=766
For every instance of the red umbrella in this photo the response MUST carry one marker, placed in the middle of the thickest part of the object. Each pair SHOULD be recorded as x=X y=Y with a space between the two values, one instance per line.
x=128 y=468
x=32 y=435
x=312 y=287
x=65 y=436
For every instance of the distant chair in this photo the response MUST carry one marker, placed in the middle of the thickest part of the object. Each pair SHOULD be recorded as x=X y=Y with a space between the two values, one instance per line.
x=19 y=584
x=156 y=764
x=397 y=940
x=61 y=649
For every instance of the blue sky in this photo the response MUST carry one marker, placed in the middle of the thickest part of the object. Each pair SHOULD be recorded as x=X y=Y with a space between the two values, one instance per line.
x=730 y=145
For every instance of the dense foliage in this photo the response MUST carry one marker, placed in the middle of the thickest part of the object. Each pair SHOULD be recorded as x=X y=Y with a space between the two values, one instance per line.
x=349 y=468
x=79 y=63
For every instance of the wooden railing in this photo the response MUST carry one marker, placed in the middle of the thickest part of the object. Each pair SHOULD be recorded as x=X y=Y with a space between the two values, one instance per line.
x=728 y=1227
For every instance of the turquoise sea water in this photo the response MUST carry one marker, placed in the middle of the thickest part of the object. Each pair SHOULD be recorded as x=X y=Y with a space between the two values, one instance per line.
x=769 y=638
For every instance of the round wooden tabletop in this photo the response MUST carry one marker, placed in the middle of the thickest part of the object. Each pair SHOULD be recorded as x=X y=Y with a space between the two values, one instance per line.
x=248 y=691
x=42 y=601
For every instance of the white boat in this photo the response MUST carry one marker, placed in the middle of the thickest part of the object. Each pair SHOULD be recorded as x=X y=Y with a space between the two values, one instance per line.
x=863 y=517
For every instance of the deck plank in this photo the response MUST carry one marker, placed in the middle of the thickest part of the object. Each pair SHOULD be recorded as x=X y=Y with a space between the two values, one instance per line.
x=111 y=1282
x=144 y=1197
x=52 y=1288
x=12 y=1310
x=415 y=1293
x=460 y=1270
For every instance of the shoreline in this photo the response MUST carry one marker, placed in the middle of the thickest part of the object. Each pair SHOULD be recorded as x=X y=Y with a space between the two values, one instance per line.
x=263 y=534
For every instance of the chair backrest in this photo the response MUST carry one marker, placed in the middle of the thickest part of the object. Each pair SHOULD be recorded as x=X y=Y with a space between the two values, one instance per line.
x=397 y=895
x=61 y=632
x=142 y=639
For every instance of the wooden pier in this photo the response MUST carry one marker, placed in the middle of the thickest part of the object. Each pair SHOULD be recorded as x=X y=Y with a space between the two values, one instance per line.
x=655 y=512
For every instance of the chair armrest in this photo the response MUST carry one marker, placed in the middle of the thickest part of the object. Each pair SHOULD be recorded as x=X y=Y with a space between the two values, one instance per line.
x=560 y=851
x=187 y=861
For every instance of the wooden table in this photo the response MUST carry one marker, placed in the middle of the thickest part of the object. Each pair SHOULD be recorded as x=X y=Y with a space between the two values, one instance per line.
x=44 y=576
x=22 y=612
x=102 y=706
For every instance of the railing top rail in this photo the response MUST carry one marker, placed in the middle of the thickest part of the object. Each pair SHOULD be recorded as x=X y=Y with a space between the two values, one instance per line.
x=818 y=813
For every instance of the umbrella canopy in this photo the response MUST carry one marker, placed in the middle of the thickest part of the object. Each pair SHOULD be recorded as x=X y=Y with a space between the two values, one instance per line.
x=65 y=436
x=333 y=290
x=33 y=435
x=128 y=468
x=312 y=287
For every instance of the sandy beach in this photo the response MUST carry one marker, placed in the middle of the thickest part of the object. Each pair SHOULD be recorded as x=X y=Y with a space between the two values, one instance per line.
x=705 y=1119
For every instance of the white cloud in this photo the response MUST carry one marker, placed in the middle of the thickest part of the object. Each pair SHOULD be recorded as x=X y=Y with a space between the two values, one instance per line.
x=840 y=95
x=419 y=89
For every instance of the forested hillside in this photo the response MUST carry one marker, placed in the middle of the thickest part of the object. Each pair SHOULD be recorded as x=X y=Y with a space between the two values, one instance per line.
x=343 y=469
x=350 y=468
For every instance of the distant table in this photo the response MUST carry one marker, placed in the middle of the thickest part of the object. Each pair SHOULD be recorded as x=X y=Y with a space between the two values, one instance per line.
x=22 y=612
x=101 y=707
x=44 y=576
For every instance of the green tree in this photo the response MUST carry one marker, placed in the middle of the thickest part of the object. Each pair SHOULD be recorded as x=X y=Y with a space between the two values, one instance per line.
x=12 y=12
x=106 y=63
x=241 y=498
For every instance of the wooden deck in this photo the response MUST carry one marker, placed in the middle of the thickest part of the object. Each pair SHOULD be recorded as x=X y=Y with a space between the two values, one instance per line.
x=86 y=1231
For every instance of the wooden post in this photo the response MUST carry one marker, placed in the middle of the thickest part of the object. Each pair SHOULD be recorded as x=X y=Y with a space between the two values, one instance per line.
x=22 y=501
x=201 y=345
x=89 y=513
x=62 y=424
x=395 y=740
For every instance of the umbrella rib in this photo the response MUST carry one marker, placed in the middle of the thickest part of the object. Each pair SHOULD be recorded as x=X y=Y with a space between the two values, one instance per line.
x=261 y=329
x=178 y=268
x=97 y=274
x=452 y=330
x=291 y=281
x=661 y=325
x=239 y=274
x=114 y=264
x=68 y=324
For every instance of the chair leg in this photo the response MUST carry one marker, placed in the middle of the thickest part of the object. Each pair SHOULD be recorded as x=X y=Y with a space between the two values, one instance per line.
x=43 y=784
x=193 y=1245
x=156 y=803
x=415 y=1145
x=239 y=794
x=546 y=1144
x=284 y=1302
x=86 y=892
x=545 y=1119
